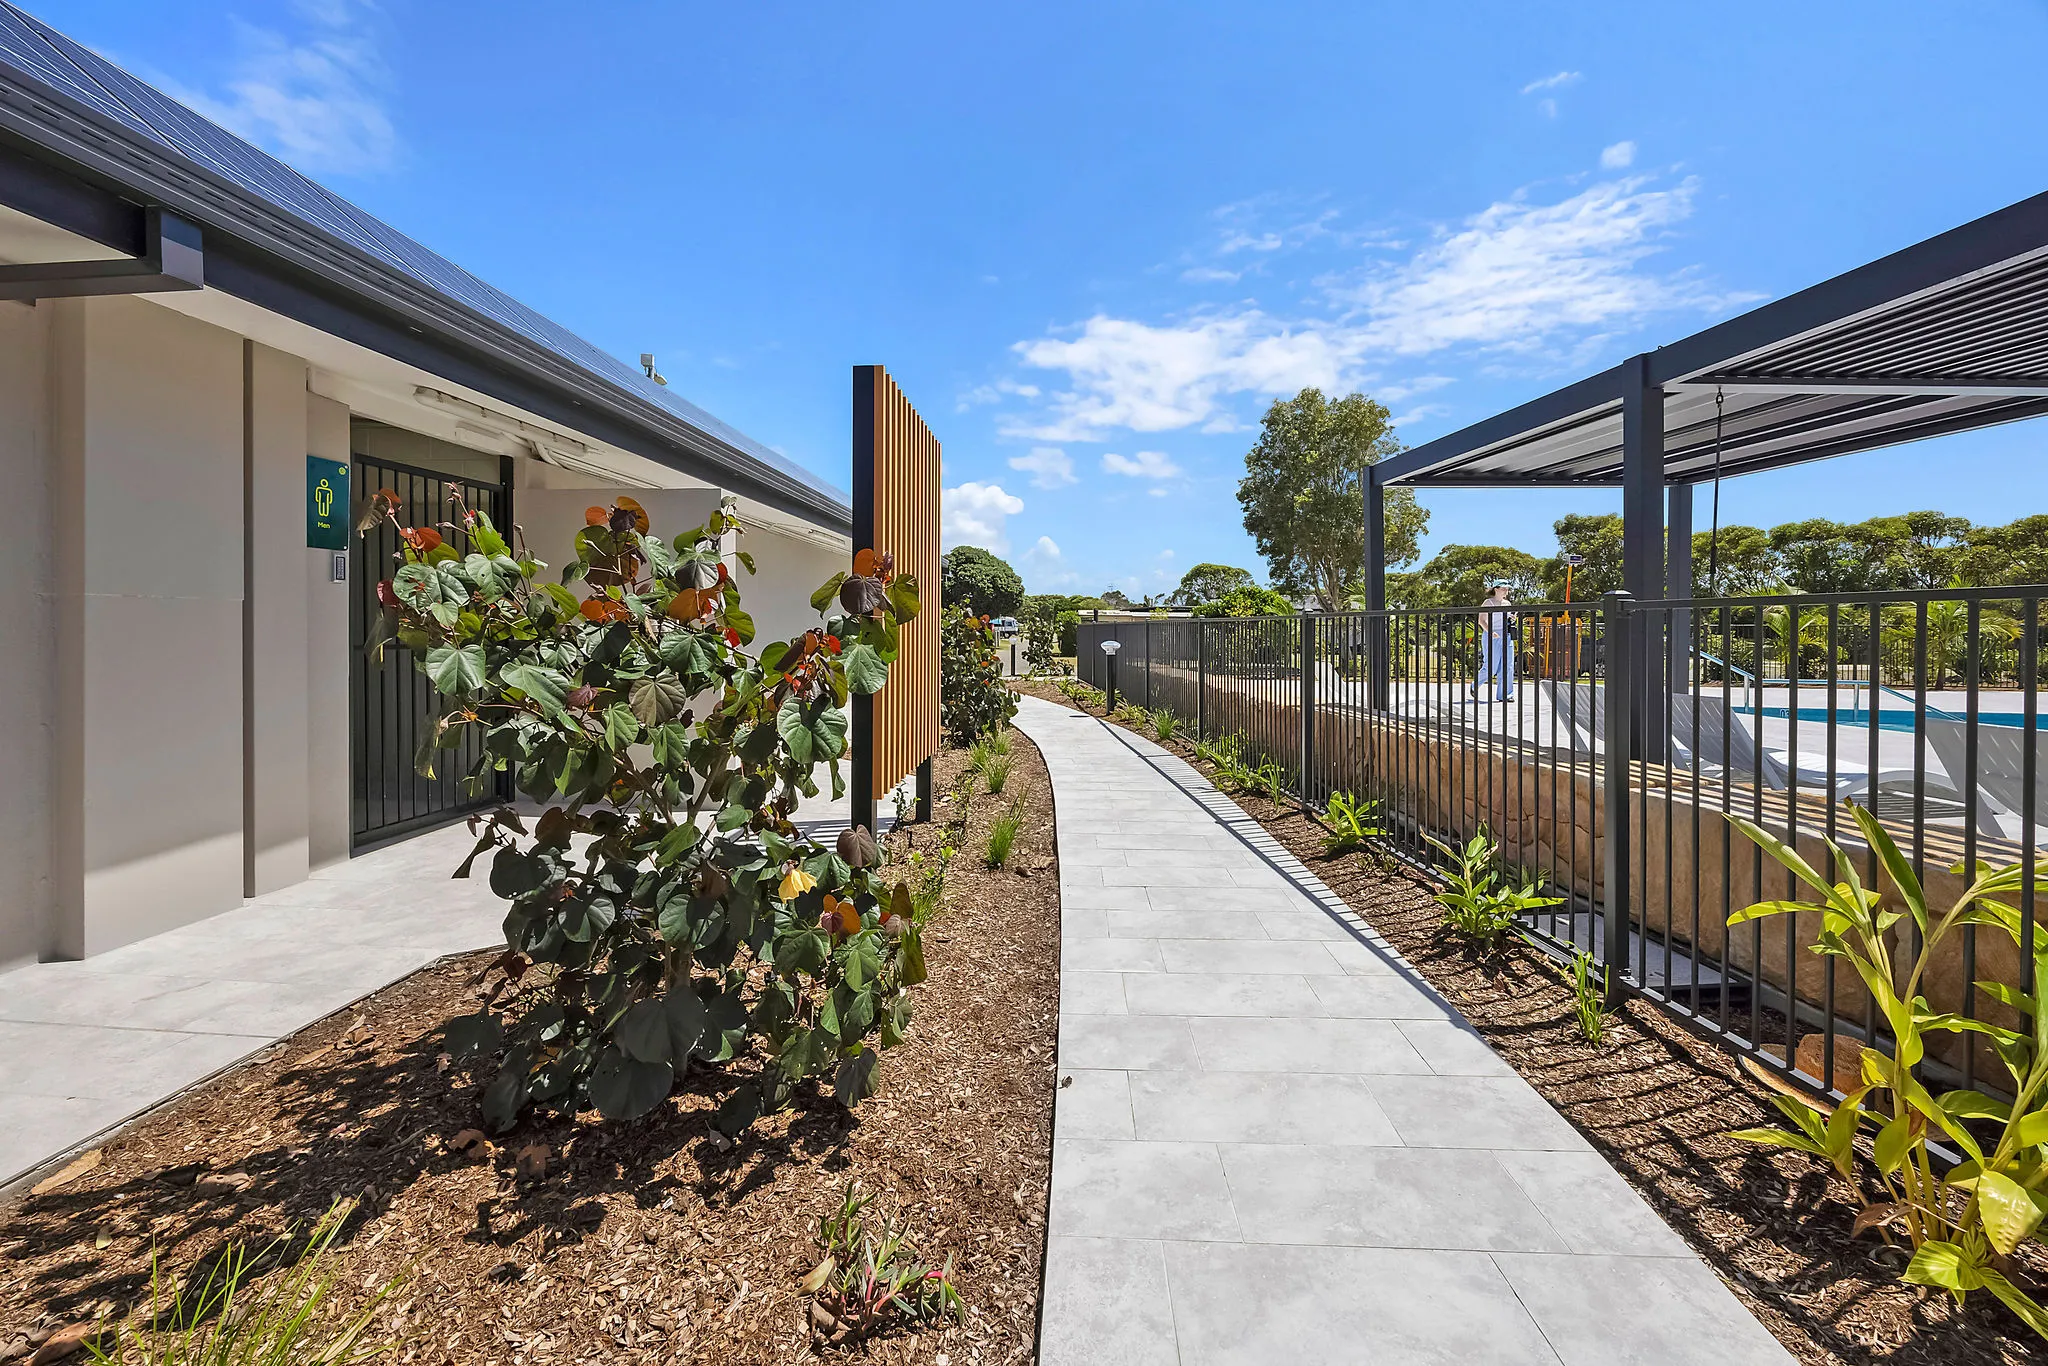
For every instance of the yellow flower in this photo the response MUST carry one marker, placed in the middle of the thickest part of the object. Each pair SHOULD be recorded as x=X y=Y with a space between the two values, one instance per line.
x=795 y=883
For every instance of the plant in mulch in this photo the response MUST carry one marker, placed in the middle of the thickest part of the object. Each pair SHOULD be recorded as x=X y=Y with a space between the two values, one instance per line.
x=1479 y=903
x=990 y=756
x=1164 y=724
x=235 y=1315
x=1002 y=835
x=1589 y=997
x=973 y=699
x=1963 y=1225
x=664 y=909
x=1353 y=822
x=867 y=1281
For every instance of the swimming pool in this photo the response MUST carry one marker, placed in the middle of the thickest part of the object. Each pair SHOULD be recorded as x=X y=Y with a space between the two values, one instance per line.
x=1889 y=718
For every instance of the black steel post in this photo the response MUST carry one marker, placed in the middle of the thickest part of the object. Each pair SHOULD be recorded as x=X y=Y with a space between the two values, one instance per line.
x=1109 y=706
x=1376 y=641
x=1642 y=532
x=1307 y=696
x=1148 y=663
x=1620 y=656
x=1201 y=682
x=924 y=791
x=861 y=788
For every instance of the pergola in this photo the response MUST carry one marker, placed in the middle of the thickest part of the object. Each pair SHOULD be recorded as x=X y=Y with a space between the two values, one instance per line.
x=1945 y=336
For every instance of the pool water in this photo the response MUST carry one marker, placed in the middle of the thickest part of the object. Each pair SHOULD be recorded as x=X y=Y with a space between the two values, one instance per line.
x=1887 y=719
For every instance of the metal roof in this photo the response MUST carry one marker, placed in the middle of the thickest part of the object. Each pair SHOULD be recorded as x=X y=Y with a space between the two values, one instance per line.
x=1944 y=336
x=60 y=97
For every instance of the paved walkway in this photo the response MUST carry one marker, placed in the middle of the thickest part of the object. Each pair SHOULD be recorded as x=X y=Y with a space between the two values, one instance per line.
x=1274 y=1144
x=86 y=1046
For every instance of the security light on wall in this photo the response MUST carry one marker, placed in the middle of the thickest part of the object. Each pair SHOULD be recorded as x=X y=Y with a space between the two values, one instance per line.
x=647 y=364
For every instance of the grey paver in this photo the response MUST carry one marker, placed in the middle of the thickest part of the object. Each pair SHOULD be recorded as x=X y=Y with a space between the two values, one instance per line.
x=1240 y=1305
x=1383 y=1196
x=1258 y=1107
x=1141 y=1190
x=1280 y=1147
x=1668 y=1310
x=1106 y=1304
x=1305 y=1044
x=1127 y=1042
x=1206 y=993
x=1093 y=1104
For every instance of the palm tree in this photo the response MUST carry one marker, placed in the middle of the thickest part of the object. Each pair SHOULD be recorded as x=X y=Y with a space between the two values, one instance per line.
x=1793 y=635
x=1948 y=631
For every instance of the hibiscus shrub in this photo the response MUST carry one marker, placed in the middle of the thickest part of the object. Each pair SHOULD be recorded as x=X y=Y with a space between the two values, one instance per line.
x=664 y=910
x=972 y=697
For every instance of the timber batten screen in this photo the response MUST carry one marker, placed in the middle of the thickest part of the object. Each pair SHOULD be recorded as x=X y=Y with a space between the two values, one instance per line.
x=896 y=511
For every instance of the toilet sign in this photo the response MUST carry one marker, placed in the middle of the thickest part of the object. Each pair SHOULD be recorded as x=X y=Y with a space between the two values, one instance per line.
x=326 y=504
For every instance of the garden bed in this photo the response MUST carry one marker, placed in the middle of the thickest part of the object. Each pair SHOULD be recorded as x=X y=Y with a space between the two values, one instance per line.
x=642 y=1241
x=1657 y=1102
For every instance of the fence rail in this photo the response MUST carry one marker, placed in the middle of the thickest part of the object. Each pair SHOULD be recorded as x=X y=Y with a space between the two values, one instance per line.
x=1605 y=745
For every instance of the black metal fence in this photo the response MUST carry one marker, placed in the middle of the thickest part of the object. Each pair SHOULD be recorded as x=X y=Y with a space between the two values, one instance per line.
x=1604 y=745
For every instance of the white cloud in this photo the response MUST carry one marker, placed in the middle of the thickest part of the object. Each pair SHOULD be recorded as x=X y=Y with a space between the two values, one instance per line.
x=1547 y=108
x=1143 y=465
x=976 y=514
x=1618 y=157
x=1045 y=567
x=1520 y=276
x=1555 y=82
x=995 y=393
x=1048 y=466
x=1210 y=275
x=1146 y=378
x=314 y=98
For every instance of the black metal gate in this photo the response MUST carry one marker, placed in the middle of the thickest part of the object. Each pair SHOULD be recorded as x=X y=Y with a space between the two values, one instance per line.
x=392 y=706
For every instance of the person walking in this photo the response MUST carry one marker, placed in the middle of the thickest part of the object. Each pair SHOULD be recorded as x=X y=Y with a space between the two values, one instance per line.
x=1496 y=644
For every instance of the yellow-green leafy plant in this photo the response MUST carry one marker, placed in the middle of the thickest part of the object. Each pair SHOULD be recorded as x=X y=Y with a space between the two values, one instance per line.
x=1164 y=724
x=1351 y=822
x=928 y=882
x=235 y=1315
x=664 y=908
x=1963 y=1224
x=1479 y=903
x=1588 y=983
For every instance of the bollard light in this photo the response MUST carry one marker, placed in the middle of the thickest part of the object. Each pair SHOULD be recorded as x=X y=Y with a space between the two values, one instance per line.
x=1109 y=648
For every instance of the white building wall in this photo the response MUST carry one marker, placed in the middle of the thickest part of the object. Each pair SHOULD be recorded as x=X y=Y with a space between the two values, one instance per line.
x=27 y=628
x=147 y=424
x=788 y=569
x=327 y=664
x=274 y=622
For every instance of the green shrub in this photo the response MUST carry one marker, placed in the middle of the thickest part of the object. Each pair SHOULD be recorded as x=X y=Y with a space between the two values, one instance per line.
x=1589 y=997
x=1963 y=1223
x=1352 y=822
x=1478 y=904
x=663 y=908
x=1002 y=834
x=973 y=699
x=1164 y=724
x=928 y=883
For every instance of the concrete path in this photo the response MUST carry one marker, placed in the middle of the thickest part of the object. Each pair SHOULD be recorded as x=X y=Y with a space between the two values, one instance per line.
x=86 y=1046
x=1274 y=1144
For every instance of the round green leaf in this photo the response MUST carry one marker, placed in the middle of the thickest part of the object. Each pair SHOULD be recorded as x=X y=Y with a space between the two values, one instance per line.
x=626 y=1088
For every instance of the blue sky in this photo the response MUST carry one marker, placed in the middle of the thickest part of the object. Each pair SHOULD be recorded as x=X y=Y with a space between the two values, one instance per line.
x=1093 y=241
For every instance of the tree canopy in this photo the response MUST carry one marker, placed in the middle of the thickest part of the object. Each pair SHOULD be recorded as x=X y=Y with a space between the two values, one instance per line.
x=1303 y=495
x=1208 y=582
x=976 y=580
x=1247 y=600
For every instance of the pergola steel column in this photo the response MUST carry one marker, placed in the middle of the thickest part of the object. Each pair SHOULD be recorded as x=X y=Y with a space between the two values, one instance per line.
x=1642 y=531
x=1376 y=585
x=1678 y=581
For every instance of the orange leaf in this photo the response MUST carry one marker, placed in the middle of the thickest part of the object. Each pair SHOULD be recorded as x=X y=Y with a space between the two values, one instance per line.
x=639 y=513
x=688 y=604
x=421 y=538
x=866 y=562
x=603 y=609
x=595 y=517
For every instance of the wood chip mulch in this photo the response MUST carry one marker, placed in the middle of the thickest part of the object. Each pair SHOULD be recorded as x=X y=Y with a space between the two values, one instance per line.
x=1658 y=1101
x=642 y=1242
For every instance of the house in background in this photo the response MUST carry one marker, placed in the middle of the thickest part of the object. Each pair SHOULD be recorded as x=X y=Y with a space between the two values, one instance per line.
x=191 y=335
